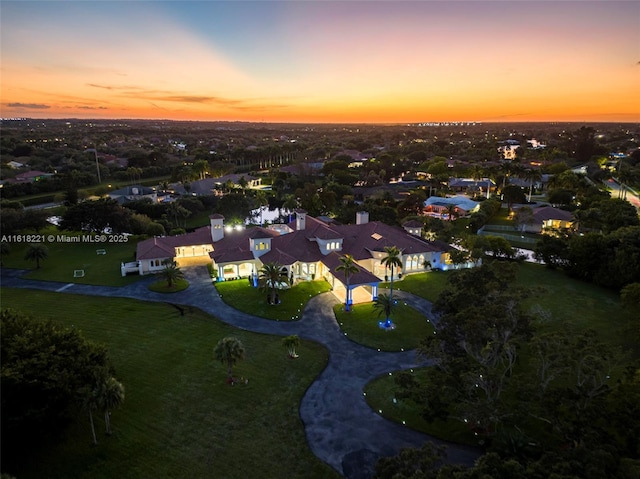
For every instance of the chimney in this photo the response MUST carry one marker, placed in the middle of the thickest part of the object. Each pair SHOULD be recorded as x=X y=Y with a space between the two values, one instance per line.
x=362 y=217
x=217 y=227
x=301 y=217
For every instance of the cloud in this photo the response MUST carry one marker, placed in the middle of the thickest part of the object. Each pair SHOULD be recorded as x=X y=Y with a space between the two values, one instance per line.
x=111 y=87
x=92 y=107
x=33 y=106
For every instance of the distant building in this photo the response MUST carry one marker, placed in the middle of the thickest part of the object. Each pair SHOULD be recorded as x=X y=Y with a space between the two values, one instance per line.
x=482 y=187
x=133 y=193
x=31 y=176
x=439 y=207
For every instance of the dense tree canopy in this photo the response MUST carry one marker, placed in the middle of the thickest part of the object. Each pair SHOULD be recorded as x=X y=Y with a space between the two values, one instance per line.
x=46 y=370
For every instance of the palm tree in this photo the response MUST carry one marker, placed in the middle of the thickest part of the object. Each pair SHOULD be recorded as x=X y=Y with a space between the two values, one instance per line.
x=261 y=201
x=89 y=403
x=392 y=259
x=290 y=204
x=385 y=306
x=171 y=273
x=451 y=211
x=291 y=343
x=110 y=396
x=532 y=176
x=200 y=167
x=349 y=267
x=37 y=252
x=229 y=351
x=272 y=276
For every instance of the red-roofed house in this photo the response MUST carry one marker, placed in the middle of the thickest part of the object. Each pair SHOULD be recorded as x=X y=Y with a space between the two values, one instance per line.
x=307 y=248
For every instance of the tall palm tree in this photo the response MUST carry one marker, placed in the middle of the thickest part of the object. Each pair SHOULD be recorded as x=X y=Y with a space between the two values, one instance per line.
x=291 y=343
x=393 y=258
x=271 y=277
x=172 y=273
x=261 y=201
x=385 y=306
x=37 y=252
x=110 y=396
x=229 y=351
x=451 y=211
x=348 y=267
x=290 y=204
x=532 y=176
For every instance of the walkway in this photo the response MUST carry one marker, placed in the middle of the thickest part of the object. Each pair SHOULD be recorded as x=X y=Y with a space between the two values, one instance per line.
x=341 y=428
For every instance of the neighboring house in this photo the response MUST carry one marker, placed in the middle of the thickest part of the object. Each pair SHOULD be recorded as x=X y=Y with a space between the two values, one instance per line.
x=132 y=193
x=548 y=218
x=482 y=186
x=439 y=207
x=31 y=176
x=508 y=151
x=304 y=168
x=211 y=186
x=307 y=248
x=14 y=165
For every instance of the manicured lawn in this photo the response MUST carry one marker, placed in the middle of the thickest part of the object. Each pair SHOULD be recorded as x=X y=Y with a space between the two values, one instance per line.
x=66 y=258
x=380 y=394
x=180 y=418
x=244 y=297
x=580 y=305
x=361 y=325
x=426 y=285
x=161 y=286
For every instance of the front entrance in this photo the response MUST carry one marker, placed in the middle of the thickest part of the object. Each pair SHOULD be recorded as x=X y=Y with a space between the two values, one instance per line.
x=359 y=294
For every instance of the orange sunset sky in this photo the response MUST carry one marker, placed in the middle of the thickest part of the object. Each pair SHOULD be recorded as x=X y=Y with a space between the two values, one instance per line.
x=322 y=61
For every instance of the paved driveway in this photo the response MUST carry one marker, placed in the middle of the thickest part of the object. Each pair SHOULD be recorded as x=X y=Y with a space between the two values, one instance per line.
x=341 y=428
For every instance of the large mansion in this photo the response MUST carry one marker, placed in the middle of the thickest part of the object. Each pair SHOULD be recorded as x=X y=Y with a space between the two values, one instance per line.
x=308 y=248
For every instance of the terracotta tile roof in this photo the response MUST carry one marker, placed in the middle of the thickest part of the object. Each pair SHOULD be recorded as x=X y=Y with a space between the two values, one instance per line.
x=164 y=246
x=235 y=246
x=231 y=255
x=332 y=261
x=360 y=240
x=154 y=249
x=276 y=255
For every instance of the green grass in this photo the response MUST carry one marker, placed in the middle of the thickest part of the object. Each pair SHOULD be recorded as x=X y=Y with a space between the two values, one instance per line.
x=426 y=285
x=161 y=286
x=361 y=325
x=180 y=418
x=65 y=258
x=242 y=296
x=380 y=394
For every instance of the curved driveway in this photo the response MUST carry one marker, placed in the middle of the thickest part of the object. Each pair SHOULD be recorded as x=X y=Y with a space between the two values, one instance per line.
x=341 y=428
